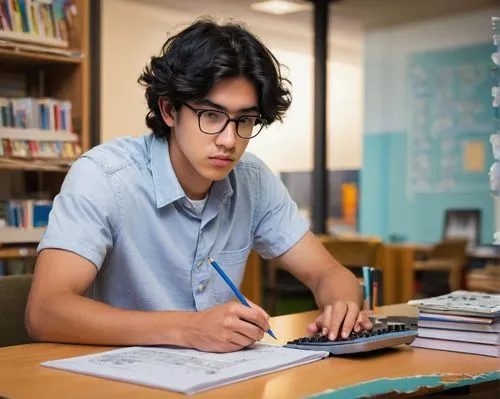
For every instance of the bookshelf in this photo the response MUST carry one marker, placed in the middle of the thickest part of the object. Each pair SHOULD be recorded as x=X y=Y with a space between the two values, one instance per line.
x=36 y=134
x=30 y=38
x=44 y=67
x=15 y=235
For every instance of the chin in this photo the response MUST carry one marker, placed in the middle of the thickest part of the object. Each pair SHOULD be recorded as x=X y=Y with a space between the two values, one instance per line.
x=216 y=174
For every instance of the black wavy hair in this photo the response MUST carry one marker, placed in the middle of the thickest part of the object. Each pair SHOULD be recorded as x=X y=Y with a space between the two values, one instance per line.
x=204 y=53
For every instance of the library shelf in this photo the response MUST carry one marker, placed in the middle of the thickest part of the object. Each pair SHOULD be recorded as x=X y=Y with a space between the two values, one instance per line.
x=18 y=235
x=36 y=134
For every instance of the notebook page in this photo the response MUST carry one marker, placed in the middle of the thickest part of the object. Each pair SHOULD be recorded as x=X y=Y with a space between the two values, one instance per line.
x=185 y=370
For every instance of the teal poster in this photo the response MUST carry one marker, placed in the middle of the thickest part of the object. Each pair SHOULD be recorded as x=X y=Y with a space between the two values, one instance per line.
x=450 y=120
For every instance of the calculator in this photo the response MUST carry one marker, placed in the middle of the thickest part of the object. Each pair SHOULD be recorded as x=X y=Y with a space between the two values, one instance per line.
x=382 y=336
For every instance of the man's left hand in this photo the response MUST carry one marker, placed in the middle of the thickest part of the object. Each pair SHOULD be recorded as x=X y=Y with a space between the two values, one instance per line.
x=343 y=317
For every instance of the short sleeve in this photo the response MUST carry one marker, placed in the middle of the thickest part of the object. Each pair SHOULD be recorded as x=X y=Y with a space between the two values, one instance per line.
x=278 y=223
x=85 y=214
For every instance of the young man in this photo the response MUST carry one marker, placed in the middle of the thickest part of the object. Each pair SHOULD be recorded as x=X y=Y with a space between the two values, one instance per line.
x=124 y=258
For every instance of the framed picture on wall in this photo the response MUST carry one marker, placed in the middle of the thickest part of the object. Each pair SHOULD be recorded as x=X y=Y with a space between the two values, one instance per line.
x=463 y=223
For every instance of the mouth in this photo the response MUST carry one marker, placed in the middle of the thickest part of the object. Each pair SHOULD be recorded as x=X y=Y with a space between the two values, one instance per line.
x=221 y=160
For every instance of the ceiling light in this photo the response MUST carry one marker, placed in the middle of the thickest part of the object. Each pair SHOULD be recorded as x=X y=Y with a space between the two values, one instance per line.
x=279 y=7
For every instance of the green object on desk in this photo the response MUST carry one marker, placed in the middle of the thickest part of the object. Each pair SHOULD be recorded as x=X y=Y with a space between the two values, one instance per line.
x=406 y=385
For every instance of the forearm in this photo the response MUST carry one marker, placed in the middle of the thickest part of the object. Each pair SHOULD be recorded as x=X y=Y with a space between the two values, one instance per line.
x=337 y=283
x=67 y=317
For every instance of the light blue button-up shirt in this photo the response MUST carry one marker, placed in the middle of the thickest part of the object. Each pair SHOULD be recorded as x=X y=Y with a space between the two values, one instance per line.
x=122 y=208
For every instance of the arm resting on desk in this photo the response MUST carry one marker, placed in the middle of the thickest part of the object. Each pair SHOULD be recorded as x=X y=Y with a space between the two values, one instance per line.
x=335 y=288
x=58 y=312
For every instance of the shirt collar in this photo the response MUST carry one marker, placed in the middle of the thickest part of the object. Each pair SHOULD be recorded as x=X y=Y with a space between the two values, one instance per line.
x=167 y=186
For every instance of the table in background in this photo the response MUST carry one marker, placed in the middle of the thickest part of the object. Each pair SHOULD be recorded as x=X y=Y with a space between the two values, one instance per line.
x=404 y=255
x=21 y=375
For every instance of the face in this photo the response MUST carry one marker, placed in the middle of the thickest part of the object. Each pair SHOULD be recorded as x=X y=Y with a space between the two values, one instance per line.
x=198 y=158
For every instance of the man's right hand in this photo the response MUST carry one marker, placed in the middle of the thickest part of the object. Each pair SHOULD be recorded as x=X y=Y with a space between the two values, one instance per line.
x=228 y=327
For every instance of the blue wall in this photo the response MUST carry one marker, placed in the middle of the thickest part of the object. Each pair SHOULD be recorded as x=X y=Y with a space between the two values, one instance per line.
x=387 y=209
x=442 y=101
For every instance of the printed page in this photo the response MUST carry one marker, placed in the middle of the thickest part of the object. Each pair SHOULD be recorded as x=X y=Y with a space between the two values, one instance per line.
x=466 y=301
x=185 y=370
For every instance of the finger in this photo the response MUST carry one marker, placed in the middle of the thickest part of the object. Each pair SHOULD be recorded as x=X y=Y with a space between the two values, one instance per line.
x=315 y=326
x=242 y=341
x=249 y=330
x=230 y=347
x=366 y=323
x=363 y=322
x=312 y=328
x=254 y=316
x=327 y=319
x=350 y=319
x=339 y=311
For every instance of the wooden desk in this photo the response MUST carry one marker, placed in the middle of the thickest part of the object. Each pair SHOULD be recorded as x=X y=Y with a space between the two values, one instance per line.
x=21 y=376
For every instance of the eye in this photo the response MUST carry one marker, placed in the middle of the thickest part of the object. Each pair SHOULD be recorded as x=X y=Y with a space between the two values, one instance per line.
x=247 y=120
x=212 y=115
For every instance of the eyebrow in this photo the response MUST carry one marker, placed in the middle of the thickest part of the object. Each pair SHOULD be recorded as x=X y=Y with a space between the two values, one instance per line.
x=206 y=101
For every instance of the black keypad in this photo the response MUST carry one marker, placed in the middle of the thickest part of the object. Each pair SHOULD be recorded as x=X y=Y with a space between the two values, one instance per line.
x=391 y=327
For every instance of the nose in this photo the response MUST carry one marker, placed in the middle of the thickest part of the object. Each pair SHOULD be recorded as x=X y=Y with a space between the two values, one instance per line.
x=227 y=137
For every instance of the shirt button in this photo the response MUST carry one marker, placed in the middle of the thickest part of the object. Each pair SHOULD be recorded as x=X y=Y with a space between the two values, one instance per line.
x=200 y=288
x=199 y=264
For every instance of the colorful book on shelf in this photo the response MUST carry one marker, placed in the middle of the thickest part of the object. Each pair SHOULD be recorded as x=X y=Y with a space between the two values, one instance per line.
x=39 y=149
x=37 y=128
x=27 y=213
x=40 y=113
x=40 y=18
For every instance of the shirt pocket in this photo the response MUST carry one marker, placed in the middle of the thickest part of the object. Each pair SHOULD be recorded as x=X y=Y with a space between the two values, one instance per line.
x=233 y=264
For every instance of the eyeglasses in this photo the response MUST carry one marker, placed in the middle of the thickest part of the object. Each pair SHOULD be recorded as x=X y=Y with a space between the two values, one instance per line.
x=211 y=121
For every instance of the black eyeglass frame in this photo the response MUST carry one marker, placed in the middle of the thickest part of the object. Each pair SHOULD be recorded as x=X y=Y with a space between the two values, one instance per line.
x=199 y=112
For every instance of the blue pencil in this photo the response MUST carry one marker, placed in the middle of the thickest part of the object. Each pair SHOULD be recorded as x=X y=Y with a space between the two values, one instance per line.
x=234 y=288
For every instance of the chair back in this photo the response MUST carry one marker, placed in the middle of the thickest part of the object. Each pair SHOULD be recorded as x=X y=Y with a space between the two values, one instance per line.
x=353 y=253
x=455 y=249
x=14 y=291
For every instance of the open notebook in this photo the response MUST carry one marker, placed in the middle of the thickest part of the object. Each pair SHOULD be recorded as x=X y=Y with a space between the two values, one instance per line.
x=186 y=370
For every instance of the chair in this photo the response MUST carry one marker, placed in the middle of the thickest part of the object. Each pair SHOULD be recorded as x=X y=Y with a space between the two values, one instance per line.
x=447 y=256
x=350 y=252
x=278 y=283
x=355 y=253
x=251 y=285
x=14 y=292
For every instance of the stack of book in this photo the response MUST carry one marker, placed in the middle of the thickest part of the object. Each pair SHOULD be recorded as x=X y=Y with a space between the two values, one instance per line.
x=46 y=18
x=462 y=321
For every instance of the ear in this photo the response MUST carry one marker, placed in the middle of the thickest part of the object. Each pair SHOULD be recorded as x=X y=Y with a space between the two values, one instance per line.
x=167 y=111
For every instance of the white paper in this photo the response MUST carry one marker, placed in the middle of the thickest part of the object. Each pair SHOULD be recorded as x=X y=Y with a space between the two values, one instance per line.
x=466 y=301
x=186 y=370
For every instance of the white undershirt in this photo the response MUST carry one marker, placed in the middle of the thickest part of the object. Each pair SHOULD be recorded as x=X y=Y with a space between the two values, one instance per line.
x=195 y=206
